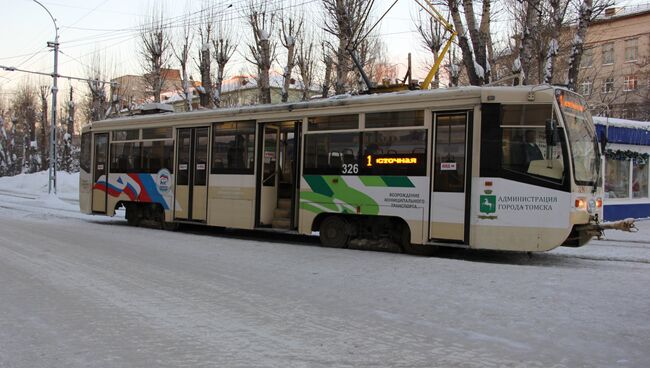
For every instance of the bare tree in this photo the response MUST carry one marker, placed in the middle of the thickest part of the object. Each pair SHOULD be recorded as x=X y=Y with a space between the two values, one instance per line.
x=44 y=93
x=328 y=61
x=181 y=49
x=431 y=35
x=475 y=71
x=206 y=30
x=261 y=21
x=224 y=48
x=558 y=10
x=306 y=60
x=345 y=20
x=154 y=49
x=291 y=23
x=577 y=45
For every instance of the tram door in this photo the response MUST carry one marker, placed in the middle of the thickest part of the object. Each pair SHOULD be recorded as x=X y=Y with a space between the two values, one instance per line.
x=191 y=194
x=449 y=176
x=100 y=173
x=269 y=174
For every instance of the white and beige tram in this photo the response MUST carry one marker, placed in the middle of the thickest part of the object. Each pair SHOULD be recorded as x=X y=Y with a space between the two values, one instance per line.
x=511 y=168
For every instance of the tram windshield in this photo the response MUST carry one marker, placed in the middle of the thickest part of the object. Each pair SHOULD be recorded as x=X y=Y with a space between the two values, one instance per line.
x=582 y=137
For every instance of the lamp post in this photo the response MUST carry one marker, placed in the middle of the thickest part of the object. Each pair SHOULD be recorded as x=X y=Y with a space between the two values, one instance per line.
x=55 y=45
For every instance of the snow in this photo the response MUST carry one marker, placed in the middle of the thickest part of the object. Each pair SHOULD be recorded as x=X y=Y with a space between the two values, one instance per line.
x=621 y=123
x=516 y=65
x=480 y=72
x=80 y=291
x=264 y=35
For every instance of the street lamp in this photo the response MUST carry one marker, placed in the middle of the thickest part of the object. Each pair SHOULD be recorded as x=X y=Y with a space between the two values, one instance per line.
x=55 y=45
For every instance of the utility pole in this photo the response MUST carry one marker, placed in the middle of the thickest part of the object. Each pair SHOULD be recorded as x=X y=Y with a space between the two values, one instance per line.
x=52 y=172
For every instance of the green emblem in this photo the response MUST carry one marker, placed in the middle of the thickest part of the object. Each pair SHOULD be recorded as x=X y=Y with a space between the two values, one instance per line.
x=488 y=204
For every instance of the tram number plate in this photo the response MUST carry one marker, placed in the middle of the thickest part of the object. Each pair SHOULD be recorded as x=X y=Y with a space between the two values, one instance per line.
x=447 y=166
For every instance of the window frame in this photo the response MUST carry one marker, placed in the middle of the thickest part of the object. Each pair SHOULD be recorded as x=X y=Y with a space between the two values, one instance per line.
x=233 y=171
x=608 y=55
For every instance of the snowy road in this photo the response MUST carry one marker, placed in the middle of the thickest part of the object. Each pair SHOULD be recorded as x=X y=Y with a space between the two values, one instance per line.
x=80 y=291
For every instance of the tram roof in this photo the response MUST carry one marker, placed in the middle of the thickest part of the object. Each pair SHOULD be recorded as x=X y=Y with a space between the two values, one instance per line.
x=510 y=94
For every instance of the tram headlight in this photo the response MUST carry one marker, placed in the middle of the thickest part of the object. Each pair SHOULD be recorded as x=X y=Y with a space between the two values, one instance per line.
x=599 y=202
x=591 y=206
x=581 y=203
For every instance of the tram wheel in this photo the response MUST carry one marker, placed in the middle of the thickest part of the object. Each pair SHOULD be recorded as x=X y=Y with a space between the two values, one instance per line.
x=333 y=232
x=133 y=215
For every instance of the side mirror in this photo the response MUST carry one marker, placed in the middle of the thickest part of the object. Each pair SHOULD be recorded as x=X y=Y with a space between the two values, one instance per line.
x=551 y=132
x=603 y=142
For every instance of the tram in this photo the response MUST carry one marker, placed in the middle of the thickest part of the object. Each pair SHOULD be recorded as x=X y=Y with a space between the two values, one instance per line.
x=509 y=168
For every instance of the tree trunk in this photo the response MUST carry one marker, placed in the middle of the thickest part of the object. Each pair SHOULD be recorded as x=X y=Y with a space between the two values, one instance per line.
x=463 y=42
x=556 y=17
x=577 y=45
x=206 y=81
x=529 y=32
x=328 y=76
x=477 y=38
x=265 y=66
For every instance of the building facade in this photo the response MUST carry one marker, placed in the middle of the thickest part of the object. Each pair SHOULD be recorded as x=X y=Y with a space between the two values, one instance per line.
x=615 y=66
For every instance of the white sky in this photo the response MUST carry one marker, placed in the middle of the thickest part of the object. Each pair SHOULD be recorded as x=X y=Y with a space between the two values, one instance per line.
x=109 y=27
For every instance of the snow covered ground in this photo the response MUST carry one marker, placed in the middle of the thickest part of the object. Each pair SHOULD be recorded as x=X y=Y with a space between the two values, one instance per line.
x=80 y=291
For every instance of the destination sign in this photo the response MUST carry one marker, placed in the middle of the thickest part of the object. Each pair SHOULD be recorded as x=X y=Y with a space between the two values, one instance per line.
x=372 y=160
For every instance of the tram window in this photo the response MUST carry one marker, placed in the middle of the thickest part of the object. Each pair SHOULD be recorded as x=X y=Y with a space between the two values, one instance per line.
x=523 y=147
x=157 y=155
x=126 y=135
x=394 y=119
x=156 y=133
x=449 y=166
x=334 y=122
x=395 y=152
x=529 y=115
x=86 y=144
x=233 y=147
x=125 y=157
x=333 y=153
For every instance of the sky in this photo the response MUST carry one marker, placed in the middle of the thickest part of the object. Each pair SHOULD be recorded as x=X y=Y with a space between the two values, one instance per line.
x=109 y=28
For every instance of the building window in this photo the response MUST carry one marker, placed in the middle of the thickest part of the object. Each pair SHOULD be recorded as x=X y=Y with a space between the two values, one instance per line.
x=608 y=85
x=630 y=83
x=587 y=59
x=617 y=179
x=640 y=179
x=608 y=53
x=631 y=49
x=585 y=88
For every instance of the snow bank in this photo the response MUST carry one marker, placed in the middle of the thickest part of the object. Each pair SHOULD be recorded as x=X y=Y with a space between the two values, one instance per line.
x=36 y=184
x=622 y=123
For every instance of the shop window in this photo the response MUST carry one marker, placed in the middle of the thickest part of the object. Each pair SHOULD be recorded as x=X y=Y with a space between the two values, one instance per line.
x=617 y=178
x=640 y=179
x=394 y=119
x=333 y=153
x=233 y=148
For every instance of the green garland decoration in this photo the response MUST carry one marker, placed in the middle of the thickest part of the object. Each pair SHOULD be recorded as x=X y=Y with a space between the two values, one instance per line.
x=638 y=157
